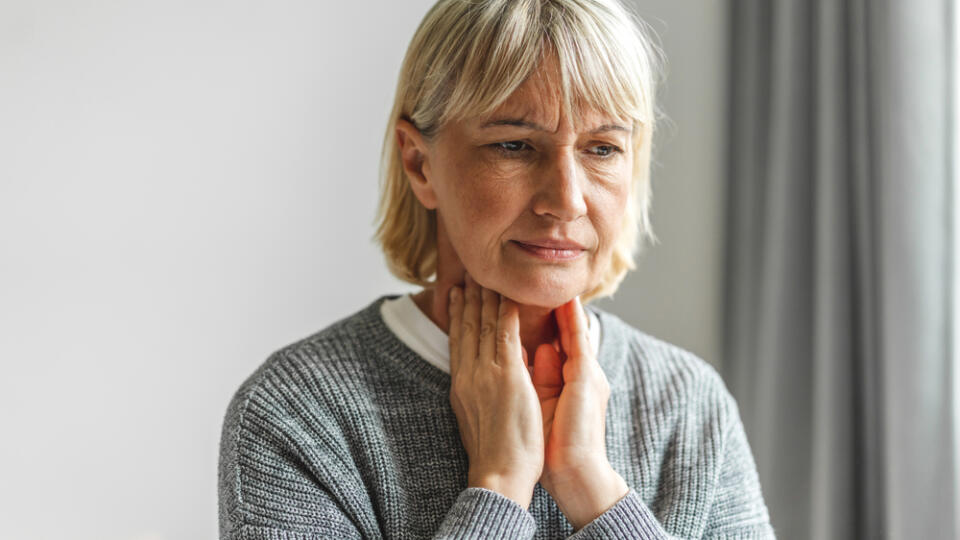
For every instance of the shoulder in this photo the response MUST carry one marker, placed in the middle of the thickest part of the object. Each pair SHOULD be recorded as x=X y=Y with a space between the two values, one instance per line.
x=315 y=380
x=302 y=388
x=287 y=419
x=311 y=362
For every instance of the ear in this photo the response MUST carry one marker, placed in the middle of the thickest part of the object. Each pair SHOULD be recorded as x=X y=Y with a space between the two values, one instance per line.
x=413 y=155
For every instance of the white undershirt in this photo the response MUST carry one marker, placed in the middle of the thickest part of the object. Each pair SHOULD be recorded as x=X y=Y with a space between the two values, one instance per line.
x=412 y=326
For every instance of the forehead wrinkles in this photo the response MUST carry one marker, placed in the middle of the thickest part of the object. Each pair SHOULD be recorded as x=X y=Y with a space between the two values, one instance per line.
x=538 y=99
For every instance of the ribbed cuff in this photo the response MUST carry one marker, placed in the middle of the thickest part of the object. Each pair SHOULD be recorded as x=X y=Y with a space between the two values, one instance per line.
x=627 y=519
x=483 y=513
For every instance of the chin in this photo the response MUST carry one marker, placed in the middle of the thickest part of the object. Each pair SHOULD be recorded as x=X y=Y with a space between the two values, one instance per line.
x=547 y=294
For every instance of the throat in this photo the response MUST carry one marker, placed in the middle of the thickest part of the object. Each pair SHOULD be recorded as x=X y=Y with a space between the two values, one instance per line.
x=537 y=324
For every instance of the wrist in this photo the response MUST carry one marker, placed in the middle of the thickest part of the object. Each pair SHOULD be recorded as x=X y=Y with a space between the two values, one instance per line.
x=508 y=487
x=586 y=495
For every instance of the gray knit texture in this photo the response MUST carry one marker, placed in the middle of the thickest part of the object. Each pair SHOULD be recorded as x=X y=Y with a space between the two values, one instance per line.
x=348 y=433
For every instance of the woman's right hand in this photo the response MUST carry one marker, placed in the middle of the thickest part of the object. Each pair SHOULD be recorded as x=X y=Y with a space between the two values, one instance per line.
x=493 y=398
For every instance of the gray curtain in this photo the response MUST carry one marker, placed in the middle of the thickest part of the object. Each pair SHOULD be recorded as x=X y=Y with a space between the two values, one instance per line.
x=838 y=338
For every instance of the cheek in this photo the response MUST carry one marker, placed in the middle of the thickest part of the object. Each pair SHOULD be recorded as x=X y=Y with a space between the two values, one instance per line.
x=483 y=206
x=611 y=209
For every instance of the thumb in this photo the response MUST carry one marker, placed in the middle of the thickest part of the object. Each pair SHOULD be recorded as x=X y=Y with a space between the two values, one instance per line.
x=547 y=371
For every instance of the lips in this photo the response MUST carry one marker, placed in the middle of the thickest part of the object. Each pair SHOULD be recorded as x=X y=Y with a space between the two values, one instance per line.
x=565 y=250
x=552 y=243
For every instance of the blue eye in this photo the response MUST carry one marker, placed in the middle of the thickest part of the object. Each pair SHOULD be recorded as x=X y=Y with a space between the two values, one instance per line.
x=608 y=150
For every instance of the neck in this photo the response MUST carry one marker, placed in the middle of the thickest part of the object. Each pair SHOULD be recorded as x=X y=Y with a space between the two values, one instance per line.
x=537 y=325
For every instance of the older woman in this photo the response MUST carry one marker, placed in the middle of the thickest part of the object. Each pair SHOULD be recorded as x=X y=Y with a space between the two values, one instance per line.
x=493 y=403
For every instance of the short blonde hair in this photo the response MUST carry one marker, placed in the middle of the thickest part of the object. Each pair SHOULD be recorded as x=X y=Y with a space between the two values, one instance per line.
x=468 y=56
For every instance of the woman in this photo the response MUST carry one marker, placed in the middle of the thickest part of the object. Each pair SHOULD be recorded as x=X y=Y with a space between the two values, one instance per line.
x=492 y=403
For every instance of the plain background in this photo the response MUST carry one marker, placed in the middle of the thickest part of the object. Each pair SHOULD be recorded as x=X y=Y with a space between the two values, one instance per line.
x=186 y=187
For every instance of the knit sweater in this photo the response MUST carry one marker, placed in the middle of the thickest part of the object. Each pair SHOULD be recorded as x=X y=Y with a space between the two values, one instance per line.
x=348 y=433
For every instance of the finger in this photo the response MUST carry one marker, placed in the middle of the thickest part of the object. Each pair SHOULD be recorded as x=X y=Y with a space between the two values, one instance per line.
x=573 y=331
x=489 y=313
x=455 y=313
x=563 y=326
x=547 y=371
x=582 y=326
x=470 y=325
x=508 y=332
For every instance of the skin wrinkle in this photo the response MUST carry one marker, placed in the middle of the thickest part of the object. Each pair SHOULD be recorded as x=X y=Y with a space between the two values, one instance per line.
x=557 y=185
x=520 y=122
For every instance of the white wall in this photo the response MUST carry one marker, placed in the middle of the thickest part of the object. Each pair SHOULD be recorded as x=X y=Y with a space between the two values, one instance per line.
x=187 y=186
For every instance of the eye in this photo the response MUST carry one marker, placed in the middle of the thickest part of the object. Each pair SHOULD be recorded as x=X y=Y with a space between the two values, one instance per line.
x=511 y=147
x=606 y=150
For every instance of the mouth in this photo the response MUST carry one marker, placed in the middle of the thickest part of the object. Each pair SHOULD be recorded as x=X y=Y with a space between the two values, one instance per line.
x=567 y=252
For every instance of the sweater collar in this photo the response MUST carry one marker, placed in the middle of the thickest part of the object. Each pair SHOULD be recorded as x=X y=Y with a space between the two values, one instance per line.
x=382 y=342
x=420 y=333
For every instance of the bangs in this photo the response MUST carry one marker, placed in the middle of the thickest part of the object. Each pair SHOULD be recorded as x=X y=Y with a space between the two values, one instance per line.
x=603 y=64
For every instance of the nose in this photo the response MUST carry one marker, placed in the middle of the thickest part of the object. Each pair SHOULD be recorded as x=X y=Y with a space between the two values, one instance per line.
x=559 y=192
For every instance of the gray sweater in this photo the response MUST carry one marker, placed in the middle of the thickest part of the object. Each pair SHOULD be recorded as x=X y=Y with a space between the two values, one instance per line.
x=348 y=433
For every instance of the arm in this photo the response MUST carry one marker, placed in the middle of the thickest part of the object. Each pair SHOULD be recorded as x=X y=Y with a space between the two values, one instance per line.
x=477 y=513
x=737 y=510
x=280 y=479
x=482 y=513
x=627 y=518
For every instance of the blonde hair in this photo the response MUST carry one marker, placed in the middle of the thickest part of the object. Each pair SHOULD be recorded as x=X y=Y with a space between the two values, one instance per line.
x=468 y=56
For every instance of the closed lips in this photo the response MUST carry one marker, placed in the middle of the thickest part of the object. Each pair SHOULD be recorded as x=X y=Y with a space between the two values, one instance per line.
x=552 y=244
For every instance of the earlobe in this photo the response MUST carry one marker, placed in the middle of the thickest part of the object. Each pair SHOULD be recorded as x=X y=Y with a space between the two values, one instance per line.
x=413 y=155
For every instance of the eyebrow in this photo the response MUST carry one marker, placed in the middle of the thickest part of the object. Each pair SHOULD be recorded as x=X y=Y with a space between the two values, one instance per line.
x=520 y=122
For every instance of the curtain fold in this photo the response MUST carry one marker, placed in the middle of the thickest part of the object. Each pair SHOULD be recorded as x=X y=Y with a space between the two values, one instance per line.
x=839 y=272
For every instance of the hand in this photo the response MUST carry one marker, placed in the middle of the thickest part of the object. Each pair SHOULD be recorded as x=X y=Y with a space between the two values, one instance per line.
x=491 y=393
x=573 y=393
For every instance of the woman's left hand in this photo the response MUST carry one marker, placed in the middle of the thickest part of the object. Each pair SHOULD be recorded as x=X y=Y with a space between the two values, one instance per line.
x=573 y=396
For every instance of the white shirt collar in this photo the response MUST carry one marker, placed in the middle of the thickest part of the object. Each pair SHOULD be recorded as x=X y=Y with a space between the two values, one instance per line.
x=412 y=326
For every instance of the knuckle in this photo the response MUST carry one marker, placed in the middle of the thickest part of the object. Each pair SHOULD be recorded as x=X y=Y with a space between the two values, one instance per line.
x=503 y=336
x=468 y=327
x=487 y=328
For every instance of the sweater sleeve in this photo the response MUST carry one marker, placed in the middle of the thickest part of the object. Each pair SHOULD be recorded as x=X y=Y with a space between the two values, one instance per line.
x=628 y=518
x=482 y=513
x=276 y=482
x=737 y=510
x=477 y=513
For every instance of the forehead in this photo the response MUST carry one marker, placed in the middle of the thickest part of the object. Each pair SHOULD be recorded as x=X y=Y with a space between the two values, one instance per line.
x=539 y=100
